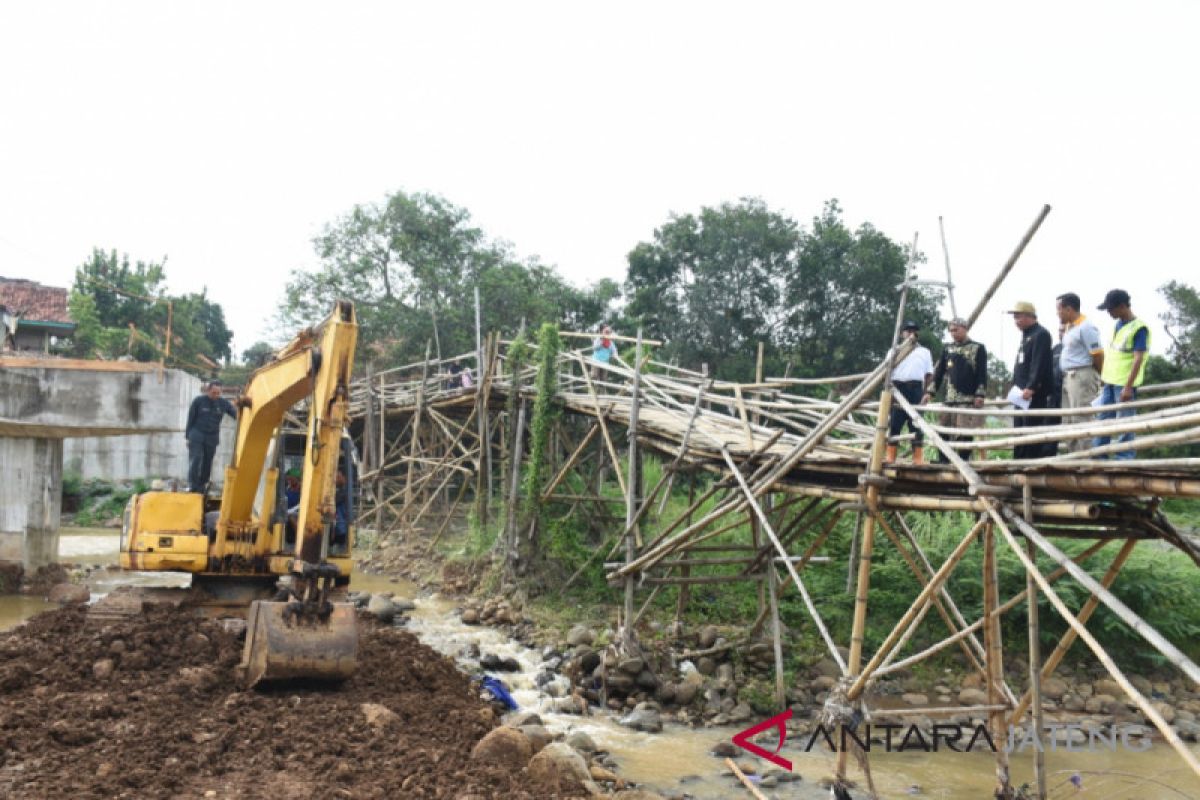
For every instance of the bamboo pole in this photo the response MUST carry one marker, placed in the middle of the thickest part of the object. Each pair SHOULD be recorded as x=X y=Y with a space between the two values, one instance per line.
x=1035 y=656
x=1139 y=700
x=1139 y=625
x=1010 y=604
x=995 y=660
x=1085 y=613
x=808 y=603
x=934 y=584
x=1008 y=265
x=631 y=499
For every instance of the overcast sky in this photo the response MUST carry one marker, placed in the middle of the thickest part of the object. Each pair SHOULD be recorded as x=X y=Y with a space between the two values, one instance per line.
x=225 y=135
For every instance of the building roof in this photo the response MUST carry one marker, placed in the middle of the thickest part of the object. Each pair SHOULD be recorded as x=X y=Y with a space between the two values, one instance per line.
x=33 y=302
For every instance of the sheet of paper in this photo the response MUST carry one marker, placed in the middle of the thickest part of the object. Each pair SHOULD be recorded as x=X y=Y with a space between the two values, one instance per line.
x=1015 y=397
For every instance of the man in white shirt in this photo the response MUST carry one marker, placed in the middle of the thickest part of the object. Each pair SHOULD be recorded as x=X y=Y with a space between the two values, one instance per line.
x=1081 y=360
x=909 y=378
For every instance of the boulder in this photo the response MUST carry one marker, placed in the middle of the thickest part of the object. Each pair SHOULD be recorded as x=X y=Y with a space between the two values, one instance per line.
x=470 y=616
x=685 y=692
x=822 y=683
x=742 y=712
x=707 y=637
x=972 y=697
x=504 y=747
x=707 y=665
x=523 y=718
x=1109 y=687
x=581 y=742
x=382 y=608
x=69 y=594
x=1054 y=688
x=646 y=679
x=580 y=634
x=403 y=604
x=828 y=667
x=558 y=768
x=643 y=719
x=102 y=670
x=494 y=663
x=631 y=666
x=538 y=736
x=1100 y=704
x=379 y=716
x=1165 y=709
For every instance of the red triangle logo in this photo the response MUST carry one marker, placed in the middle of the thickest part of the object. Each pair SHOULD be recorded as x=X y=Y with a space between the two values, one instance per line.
x=779 y=721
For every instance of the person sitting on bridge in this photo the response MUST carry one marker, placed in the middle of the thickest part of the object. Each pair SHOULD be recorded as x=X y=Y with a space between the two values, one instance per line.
x=909 y=379
x=1124 y=364
x=962 y=368
x=203 y=432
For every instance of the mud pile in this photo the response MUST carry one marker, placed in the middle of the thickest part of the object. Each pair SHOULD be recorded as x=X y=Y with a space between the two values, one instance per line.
x=150 y=708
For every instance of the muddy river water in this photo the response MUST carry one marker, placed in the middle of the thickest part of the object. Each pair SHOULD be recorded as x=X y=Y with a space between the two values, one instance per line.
x=678 y=758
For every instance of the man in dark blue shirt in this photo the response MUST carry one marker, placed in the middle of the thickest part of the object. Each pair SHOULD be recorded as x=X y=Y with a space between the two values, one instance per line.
x=203 y=432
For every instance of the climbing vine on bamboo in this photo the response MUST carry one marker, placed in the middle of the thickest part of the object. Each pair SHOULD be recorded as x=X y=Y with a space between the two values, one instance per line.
x=545 y=414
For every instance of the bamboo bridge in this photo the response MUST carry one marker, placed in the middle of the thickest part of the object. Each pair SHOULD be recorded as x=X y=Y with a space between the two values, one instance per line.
x=788 y=459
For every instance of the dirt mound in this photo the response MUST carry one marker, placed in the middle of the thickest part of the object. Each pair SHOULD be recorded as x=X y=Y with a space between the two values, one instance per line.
x=150 y=708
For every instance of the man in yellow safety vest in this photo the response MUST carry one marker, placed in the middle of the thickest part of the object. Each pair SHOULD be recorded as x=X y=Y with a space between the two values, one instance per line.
x=1124 y=364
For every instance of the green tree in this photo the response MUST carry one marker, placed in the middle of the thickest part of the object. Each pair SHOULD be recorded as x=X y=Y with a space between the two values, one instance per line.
x=1182 y=323
x=257 y=354
x=711 y=285
x=411 y=264
x=715 y=284
x=122 y=308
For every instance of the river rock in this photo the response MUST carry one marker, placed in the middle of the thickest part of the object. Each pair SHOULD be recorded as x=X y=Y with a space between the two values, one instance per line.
x=69 y=594
x=581 y=634
x=470 y=616
x=494 y=663
x=558 y=768
x=504 y=746
x=707 y=665
x=1165 y=709
x=1073 y=703
x=637 y=794
x=1100 y=704
x=972 y=697
x=379 y=716
x=685 y=692
x=647 y=680
x=724 y=750
x=1188 y=730
x=665 y=694
x=915 y=699
x=742 y=712
x=631 y=666
x=1141 y=683
x=102 y=670
x=1054 y=688
x=538 y=737
x=707 y=636
x=643 y=719
x=588 y=661
x=523 y=718
x=1109 y=687
x=828 y=667
x=725 y=674
x=403 y=604
x=822 y=683
x=382 y=608
x=581 y=742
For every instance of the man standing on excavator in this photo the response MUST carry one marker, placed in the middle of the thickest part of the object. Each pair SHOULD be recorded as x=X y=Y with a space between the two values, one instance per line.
x=203 y=433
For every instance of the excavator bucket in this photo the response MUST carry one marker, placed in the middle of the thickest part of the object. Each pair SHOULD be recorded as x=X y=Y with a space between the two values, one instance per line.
x=282 y=646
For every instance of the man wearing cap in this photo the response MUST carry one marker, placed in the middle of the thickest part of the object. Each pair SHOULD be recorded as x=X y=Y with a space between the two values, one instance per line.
x=1080 y=361
x=1033 y=374
x=909 y=378
x=203 y=433
x=1124 y=363
x=962 y=367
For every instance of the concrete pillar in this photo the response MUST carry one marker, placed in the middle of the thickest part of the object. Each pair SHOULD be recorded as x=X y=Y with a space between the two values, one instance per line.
x=30 y=499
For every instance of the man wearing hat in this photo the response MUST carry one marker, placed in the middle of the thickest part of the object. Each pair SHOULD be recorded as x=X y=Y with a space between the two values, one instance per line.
x=962 y=368
x=1124 y=363
x=203 y=433
x=909 y=378
x=1033 y=374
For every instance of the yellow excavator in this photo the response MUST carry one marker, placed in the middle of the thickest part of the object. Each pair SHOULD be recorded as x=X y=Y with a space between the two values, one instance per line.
x=238 y=555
